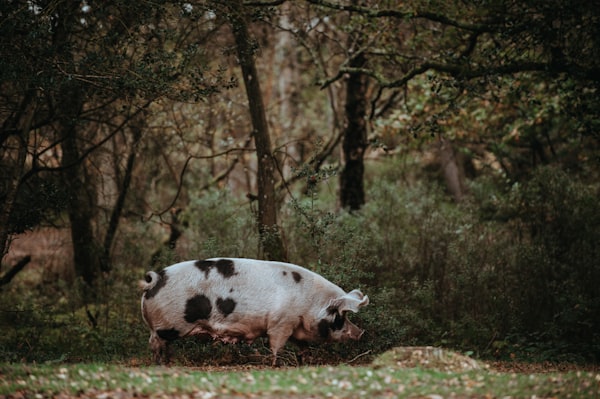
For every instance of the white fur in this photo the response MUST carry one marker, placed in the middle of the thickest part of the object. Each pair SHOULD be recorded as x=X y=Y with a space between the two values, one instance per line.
x=268 y=301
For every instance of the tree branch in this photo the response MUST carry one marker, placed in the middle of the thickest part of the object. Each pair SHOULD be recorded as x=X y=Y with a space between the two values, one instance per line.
x=264 y=3
x=87 y=152
x=456 y=70
x=14 y=270
x=375 y=13
x=215 y=180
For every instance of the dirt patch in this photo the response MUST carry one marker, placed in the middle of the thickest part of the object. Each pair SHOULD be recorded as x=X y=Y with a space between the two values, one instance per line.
x=445 y=360
x=51 y=254
x=428 y=357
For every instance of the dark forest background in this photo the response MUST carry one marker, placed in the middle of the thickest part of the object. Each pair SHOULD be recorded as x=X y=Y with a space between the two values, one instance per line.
x=443 y=156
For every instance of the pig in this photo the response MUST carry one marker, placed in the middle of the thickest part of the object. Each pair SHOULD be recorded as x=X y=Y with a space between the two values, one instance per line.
x=235 y=299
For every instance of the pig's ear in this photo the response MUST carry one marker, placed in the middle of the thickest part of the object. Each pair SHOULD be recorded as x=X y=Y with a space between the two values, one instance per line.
x=352 y=301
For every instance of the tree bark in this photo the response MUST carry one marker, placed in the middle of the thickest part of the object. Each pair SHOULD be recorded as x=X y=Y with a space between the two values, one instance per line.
x=81 y=198
x=452 y=172
x=115 y=216
x=352 y=191
x=14 y=172
x=86 y=252
x=270 y=235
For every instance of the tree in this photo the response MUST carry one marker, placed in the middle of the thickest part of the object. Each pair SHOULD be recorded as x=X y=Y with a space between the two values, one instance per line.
x=270 y=234
x=471 y=50
x=352 y=191
x=75 y=78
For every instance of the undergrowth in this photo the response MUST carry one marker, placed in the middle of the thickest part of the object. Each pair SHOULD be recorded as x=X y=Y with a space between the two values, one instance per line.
x=512 y=272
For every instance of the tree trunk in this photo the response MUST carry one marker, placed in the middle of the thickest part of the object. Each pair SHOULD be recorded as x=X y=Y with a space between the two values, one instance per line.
x=452 y=172
x=13 y=173
x=81 y=198
x=352 y=191
x=285 y=93
x=136 y=129
x=270 y=236
x=86 y=252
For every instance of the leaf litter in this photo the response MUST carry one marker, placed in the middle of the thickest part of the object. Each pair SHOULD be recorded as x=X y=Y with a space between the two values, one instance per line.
x=417 y=372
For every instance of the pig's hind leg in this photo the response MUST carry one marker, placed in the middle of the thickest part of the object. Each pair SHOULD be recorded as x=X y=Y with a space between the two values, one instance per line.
x=160 y=349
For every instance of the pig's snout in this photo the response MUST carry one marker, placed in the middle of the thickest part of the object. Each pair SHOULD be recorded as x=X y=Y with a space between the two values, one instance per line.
x=353 y=332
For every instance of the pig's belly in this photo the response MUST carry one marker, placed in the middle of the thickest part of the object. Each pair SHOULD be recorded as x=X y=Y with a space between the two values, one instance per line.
x=228 y=333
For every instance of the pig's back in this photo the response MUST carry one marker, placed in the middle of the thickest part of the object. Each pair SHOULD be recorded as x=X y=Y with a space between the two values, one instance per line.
x=236 y=289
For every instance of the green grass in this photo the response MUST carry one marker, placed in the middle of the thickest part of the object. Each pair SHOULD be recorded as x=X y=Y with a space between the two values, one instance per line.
x=44 y=380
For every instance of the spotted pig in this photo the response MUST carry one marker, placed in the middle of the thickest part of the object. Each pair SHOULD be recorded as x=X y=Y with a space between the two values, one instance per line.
x=242 y=299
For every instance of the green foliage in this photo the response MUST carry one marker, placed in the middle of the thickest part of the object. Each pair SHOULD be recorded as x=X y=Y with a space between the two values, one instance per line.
x=513 y=270
x=220 y=224
x=39 y=202
x=42 y=327
x=559 y=260
x=507 y=267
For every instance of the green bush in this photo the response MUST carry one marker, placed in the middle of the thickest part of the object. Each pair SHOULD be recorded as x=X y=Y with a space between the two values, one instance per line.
x=484 y=276
x=512 y=270
x=39 y=328
x=220 y=225
x=558 y=260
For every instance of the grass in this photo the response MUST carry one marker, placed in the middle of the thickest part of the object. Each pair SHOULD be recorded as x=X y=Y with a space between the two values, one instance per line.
x=384 y=378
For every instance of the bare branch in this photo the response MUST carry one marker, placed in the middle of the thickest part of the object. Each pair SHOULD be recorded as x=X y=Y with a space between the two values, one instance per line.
x=456 y=70
x=264 y=3
x=375 y=13
x=87 y=152
x=214 y=181
x=14 y=270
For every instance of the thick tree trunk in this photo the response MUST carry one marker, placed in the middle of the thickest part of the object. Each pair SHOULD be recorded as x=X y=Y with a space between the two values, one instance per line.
x=86 y=252
x=270 y=234
x=14 y=171
x=352 y=191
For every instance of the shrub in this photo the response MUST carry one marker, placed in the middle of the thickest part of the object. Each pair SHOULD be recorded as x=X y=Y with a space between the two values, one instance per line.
x=447 y=274
x=219 y=225
x=514 y=269
x=558 y=260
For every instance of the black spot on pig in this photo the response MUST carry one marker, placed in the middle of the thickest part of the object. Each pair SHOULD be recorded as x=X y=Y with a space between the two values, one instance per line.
x=197 y=308
x=325 y=326
x=168 y=335
x=226 y=306
x=284 y=273
x=162 y=280
x=297 y=277
x=205 y=266
x=338 y=322
x=225 y=267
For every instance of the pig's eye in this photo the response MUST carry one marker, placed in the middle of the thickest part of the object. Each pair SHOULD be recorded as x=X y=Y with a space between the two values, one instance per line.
x=326 y=325
x=338 y=322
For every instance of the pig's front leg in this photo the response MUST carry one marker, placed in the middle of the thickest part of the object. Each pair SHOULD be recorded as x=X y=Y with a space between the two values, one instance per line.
x=278 y=336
